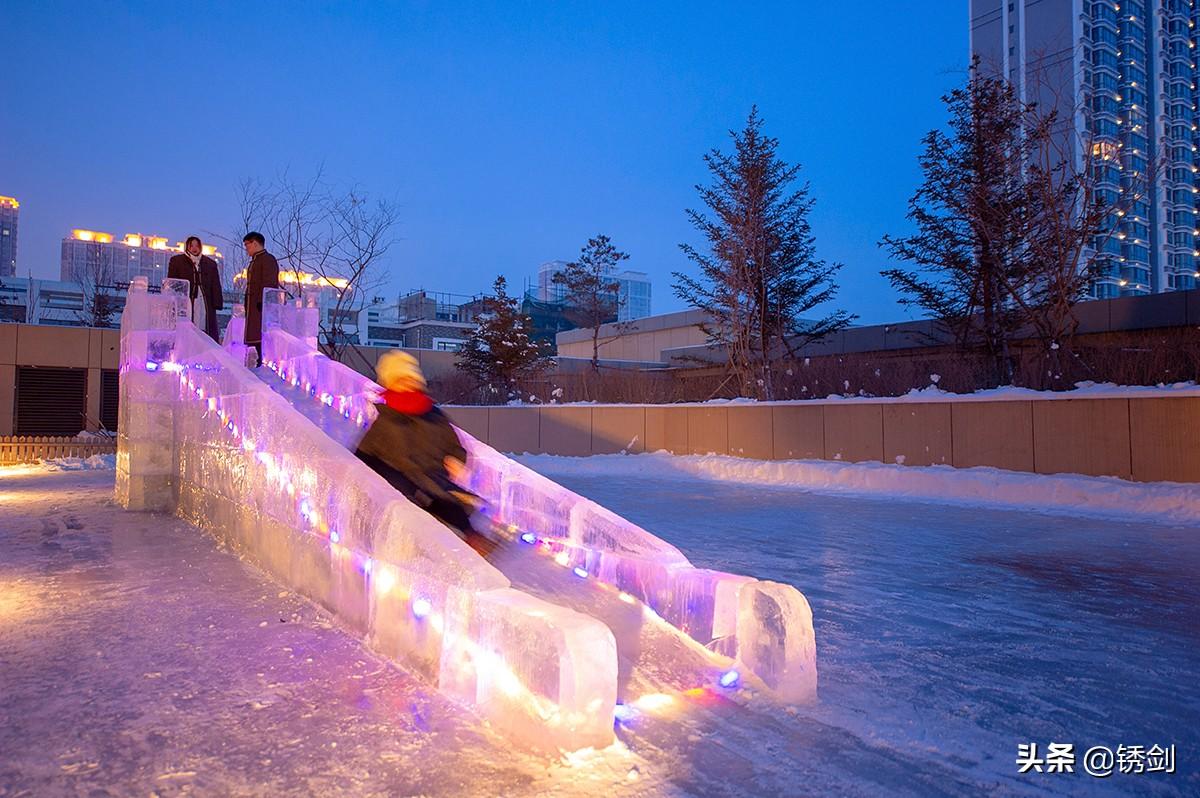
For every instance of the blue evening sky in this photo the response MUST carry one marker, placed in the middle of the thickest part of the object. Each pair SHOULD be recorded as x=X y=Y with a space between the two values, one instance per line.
x=507 y=132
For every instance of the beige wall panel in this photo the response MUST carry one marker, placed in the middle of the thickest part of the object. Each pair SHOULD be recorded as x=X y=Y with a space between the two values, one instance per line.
x=513 y=429
x=1082 y=436
x=996 y=434
x=566 y=431
x=854 y=432
x=917 y=432
x=616 y=428
x=1165 y=439
x=708 y=430
x=52 y=346
x=798 y=432
x=473 y=420
x=750 y=432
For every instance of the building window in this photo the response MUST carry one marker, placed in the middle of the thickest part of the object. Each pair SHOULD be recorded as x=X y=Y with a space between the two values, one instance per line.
x=447 y=344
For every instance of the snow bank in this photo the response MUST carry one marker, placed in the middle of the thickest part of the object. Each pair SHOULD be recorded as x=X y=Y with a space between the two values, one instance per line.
x=1098 y=497
x=97 y=462
x=932 y=393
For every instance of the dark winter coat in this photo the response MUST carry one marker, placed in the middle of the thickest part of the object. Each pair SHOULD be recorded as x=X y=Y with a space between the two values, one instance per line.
x=206 y=280
x=408 y=447
x=263 y=272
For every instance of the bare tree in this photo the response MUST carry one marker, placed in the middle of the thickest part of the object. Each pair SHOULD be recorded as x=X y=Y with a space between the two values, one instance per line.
x=362 y=233
x=1080 y=197
x=591 y=291
x=326 y=238
x=95 y=278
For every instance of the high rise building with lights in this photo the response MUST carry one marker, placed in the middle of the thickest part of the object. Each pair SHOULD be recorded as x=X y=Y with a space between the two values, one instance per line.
x=94 y=256
x=1125 y=72
x=9 y=211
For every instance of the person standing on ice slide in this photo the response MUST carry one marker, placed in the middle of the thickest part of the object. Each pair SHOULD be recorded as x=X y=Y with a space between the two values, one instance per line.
x=261 y=273
x=412 y=445
x=205 y=276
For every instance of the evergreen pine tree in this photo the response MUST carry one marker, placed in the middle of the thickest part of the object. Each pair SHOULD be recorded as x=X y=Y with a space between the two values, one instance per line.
x=501 y=350
x=760 y=271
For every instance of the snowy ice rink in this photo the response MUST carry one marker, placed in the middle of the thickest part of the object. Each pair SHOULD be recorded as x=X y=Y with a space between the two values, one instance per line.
x=138 y=658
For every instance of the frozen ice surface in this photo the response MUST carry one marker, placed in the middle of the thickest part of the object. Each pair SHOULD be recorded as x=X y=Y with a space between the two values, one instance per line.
x=138 y=658
x=949 y=633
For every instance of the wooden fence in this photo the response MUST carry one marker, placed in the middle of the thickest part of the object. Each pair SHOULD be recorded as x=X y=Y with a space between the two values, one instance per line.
x=30 y=449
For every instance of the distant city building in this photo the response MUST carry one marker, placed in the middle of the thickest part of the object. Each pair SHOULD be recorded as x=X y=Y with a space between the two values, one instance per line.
x=9 y=211
x=632 y=296
x=92 y=256
x=1131 y=66
x=62 y=302
x=420 y=320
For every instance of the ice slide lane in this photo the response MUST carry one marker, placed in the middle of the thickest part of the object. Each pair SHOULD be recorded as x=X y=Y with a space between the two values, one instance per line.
x=671 y=703
x=654 y=658
x=203 y=437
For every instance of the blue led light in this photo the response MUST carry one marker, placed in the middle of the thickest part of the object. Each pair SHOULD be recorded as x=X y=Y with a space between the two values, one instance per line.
x=623 y=713
x=529 y=537
x=729 y=678
x=421 y=607
x=335 y=537
x=580 y=572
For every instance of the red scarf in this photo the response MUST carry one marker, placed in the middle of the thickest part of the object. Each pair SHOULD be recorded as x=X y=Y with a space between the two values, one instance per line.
x=411 y=403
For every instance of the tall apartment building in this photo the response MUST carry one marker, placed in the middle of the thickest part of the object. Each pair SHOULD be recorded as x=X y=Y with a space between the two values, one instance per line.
x=9 y=211
x=1123 y=72
x=91 y=255
x=632 y=296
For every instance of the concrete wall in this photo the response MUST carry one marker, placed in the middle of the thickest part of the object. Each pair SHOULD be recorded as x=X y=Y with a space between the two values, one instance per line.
x=64 y=347
x=1153 y=439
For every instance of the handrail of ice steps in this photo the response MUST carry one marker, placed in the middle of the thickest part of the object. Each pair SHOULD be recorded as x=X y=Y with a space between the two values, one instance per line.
x=201 y=436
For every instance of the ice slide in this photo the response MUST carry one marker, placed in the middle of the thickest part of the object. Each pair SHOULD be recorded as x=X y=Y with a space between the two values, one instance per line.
x=583 y=616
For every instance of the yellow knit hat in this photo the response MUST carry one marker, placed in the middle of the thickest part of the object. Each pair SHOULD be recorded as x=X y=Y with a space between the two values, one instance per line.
x=398 y=370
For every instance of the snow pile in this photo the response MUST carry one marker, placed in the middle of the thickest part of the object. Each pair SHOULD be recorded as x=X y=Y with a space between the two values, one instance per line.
x=932 y=393
x=1094 y=497
x=97 y=462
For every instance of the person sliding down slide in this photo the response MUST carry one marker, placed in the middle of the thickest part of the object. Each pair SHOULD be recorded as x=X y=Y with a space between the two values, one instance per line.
x=412 y=445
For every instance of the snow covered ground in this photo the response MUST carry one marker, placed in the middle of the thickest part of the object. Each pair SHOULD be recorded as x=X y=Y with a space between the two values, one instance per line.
x=138 y=658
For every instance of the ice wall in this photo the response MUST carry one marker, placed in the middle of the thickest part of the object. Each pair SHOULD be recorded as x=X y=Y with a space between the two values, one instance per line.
x=766 y=626
x=202 y=436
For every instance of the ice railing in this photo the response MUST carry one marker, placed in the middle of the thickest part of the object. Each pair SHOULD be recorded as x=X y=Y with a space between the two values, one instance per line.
x=765 y=626
x=203 y=437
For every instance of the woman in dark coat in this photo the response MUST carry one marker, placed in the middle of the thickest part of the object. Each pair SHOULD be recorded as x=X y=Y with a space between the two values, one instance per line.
x=263 y=272
x=205 y=276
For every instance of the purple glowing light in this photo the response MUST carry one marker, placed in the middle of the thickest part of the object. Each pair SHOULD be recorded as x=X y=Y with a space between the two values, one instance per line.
x=729 y=679
x=421 y=607
x=580 y=572
x=529 y=537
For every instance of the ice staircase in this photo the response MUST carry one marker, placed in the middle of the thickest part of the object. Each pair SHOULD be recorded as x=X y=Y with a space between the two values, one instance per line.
x=200 y=435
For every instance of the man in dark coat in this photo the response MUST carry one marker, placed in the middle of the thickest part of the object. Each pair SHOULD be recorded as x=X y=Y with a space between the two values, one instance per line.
x=263 y=272
x=205 y=276
x=412 y=445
